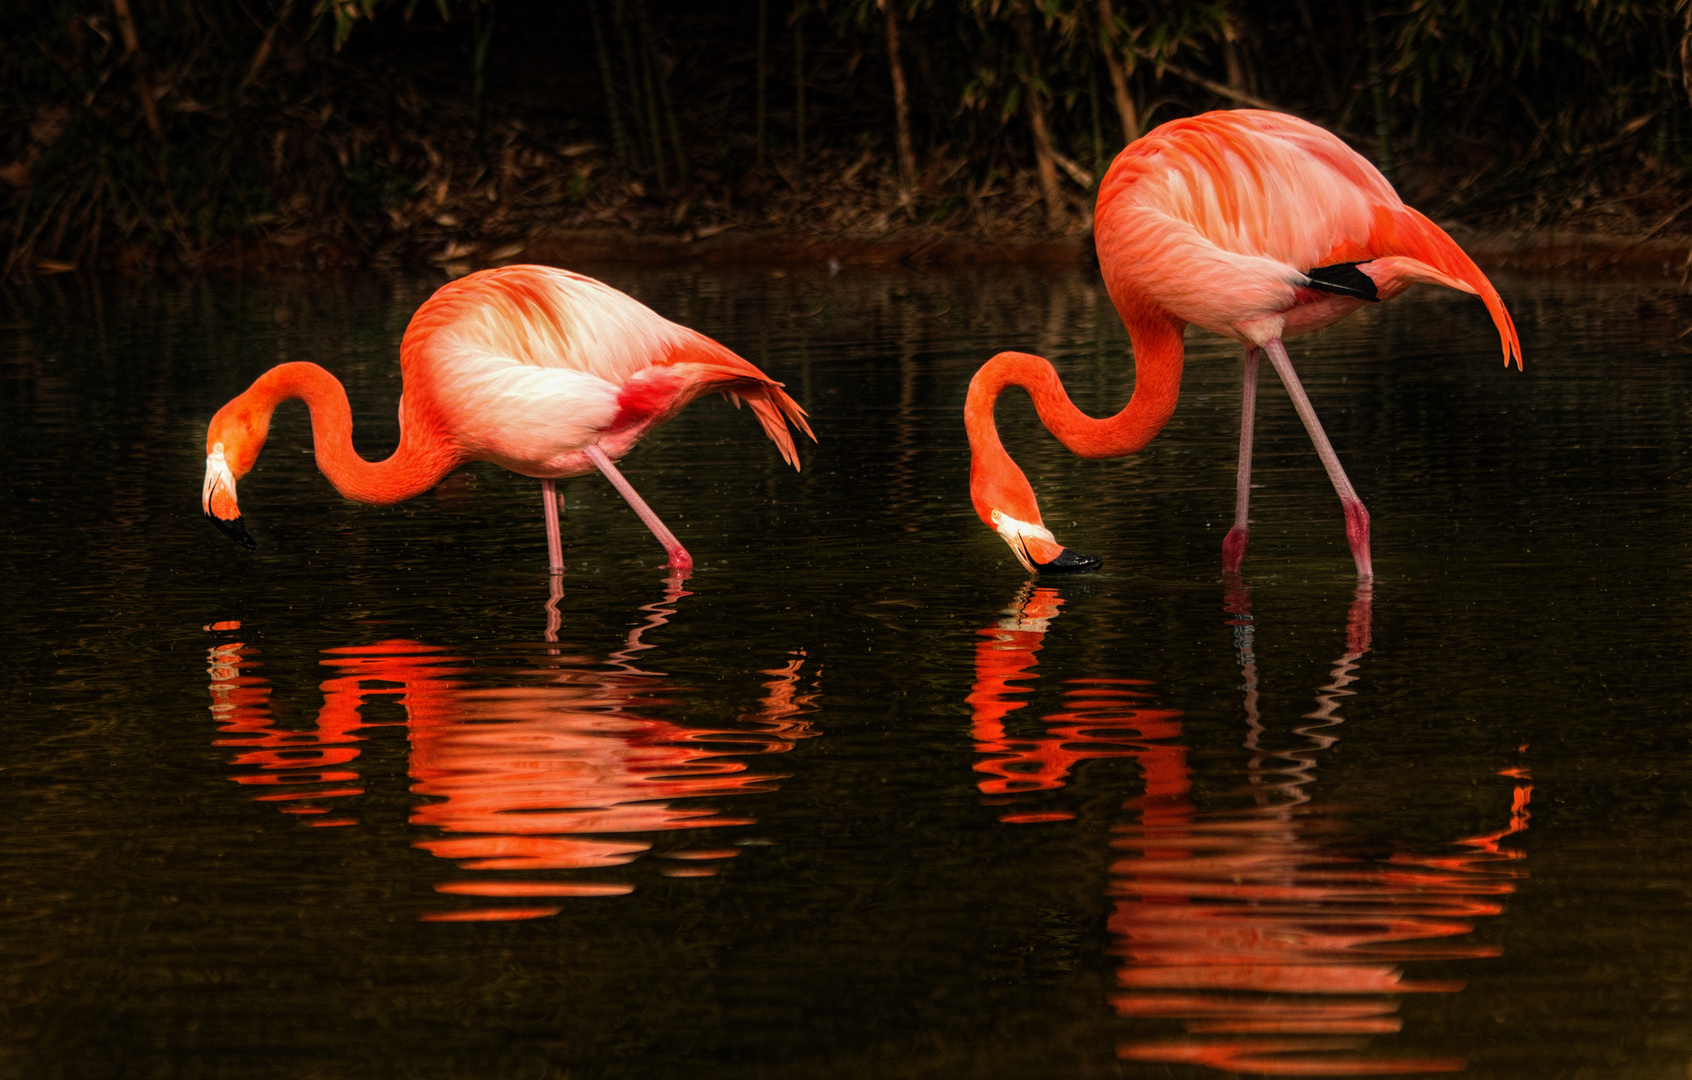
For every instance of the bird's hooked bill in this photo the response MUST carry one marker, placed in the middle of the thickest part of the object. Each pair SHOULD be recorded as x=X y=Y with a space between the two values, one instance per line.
x=217 y=499
x=1070 y=562
x=236 y=530
x=1037 y=550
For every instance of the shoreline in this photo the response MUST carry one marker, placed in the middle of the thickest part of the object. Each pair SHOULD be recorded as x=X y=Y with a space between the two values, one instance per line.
x=1540 y=251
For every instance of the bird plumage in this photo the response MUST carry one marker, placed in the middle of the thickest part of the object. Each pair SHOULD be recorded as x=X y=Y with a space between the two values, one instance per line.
x=1250 y=224
x=1217 y=220
x=543 y=371
x=527 y=364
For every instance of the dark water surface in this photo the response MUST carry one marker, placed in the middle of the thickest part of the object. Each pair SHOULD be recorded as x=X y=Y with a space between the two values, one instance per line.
x=855 y=798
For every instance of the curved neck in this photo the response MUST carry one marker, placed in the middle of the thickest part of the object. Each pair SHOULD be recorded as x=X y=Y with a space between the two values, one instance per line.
x=416 y=465
x=995 y=480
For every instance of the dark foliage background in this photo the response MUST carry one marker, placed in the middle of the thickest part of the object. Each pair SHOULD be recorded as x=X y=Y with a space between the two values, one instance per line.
x=178 y=132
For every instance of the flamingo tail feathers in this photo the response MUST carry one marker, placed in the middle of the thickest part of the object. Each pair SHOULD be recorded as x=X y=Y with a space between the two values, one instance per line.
x=714 y=367
x=1426 y=254
x=774 y=410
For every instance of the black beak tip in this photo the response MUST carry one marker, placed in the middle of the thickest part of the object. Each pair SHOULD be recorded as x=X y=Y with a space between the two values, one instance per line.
x=1070 y=561
x=236 y=530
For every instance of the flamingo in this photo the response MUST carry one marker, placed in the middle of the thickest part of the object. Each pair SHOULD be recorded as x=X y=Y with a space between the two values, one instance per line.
x=1250 y=224
x=546 y=372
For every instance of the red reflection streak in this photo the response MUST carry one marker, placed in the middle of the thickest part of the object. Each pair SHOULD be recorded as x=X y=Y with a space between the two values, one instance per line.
x=1274 y=938
x=1103 y=720
x=548 y=771
x=296 y=760
x=525 y=771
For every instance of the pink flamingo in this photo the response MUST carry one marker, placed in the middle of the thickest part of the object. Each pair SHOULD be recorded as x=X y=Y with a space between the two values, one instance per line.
x=1250 y=224
x=543 y=371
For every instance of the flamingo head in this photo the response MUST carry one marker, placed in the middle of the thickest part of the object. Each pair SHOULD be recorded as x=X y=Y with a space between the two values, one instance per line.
x=233 y=441
x=1036 y=548
x=1005 y=502
x=1003 y=498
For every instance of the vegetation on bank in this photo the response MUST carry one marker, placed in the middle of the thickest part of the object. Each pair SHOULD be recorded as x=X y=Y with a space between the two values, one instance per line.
x=177 y=132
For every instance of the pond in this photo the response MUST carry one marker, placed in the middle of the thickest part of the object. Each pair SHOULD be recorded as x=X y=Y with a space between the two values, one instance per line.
x=856 y=797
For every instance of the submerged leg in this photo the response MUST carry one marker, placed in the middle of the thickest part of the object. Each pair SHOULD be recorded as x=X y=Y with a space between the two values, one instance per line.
x=679 y=558
x=1234 y=544
x=1356 y=517
x=554 y=545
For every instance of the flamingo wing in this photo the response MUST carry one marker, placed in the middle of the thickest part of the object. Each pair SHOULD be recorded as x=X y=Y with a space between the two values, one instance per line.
x=528 y=365
x=1220 y=219
x=1216 y=218
x=530 y=420
x=543 y=317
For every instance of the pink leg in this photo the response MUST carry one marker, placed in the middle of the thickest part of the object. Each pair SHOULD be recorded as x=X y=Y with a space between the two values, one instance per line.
x=679 y=558
x=554 y=545
x=1356 y=517
x=1234 y=544
x=1359 y=620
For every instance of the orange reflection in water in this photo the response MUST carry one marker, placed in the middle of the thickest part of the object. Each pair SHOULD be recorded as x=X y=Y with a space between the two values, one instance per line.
x=1272 y=936
x=554 y=768
x=1104 y=717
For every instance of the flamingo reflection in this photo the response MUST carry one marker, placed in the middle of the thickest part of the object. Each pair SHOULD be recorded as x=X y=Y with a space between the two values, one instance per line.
x=1275 y=938
x=1103 y=718
x=562 y=766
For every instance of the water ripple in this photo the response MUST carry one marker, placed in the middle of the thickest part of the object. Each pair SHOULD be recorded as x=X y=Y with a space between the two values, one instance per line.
x=1270 y=932
x=568 y=766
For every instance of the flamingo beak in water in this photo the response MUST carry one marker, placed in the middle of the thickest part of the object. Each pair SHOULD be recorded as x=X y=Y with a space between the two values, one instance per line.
x=217 y=498
x=1070 y=561
x=1037 y=550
